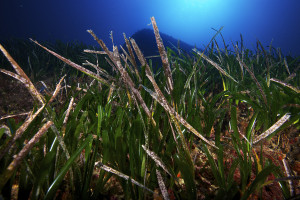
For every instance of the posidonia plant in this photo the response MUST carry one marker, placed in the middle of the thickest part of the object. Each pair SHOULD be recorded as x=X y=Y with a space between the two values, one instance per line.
x=196 y=128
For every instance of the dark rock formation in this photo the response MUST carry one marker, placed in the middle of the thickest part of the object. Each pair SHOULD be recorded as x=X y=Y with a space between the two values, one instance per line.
x=145 y=39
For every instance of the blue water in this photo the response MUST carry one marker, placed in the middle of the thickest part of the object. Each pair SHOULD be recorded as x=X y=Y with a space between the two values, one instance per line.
x=188 y=20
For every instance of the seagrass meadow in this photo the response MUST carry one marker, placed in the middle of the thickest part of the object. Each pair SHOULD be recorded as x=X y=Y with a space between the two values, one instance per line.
x=220 y=123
